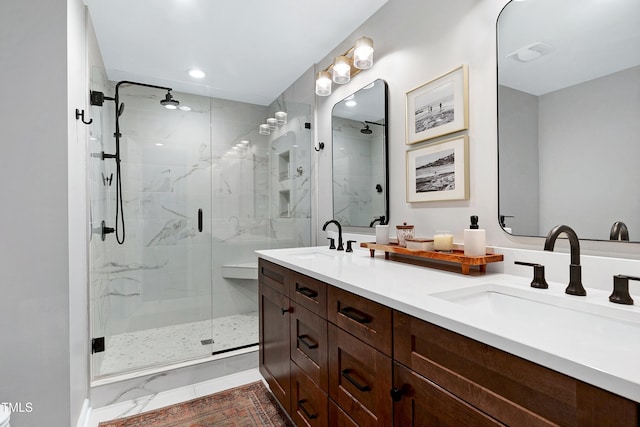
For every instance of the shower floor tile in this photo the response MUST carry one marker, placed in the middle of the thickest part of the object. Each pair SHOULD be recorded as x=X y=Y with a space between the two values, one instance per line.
x=176 y=343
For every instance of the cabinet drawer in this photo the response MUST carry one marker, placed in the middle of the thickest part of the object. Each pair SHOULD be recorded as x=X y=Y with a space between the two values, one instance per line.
x=363 y=318
x=359 y=379
x=508 y=388
x=338 y=418
x=274 y=275
x=309 y=344
x=309 y=404
x=423 y=403
x=309 y=293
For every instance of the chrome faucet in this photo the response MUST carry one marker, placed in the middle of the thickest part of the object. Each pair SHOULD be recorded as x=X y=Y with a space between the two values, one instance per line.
x=575 y=271
x=619 y=231
x=333 y=221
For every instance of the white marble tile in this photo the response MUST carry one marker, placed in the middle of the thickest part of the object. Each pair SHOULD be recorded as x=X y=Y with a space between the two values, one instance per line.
x=171 y=397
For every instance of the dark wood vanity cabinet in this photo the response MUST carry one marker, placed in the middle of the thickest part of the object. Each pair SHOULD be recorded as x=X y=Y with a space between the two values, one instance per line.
x=507 y=388
x=333 y=358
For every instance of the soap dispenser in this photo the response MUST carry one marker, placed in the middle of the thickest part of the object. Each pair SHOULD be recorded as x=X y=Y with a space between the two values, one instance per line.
x=475 y=239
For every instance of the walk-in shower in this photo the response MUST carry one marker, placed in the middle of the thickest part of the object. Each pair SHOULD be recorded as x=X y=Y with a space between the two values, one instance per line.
x=199 y=190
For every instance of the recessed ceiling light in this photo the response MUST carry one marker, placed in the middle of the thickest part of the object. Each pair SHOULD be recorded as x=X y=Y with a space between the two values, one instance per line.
x=185 y=108
x=351 y=103
x=244 y=142
x=196 y=74
x=159 y=144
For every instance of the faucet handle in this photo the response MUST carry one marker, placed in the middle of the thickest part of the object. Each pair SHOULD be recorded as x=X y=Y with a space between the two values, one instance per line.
x=538 y=281
x=332 y=242
x=349 y=248
x=620 y=294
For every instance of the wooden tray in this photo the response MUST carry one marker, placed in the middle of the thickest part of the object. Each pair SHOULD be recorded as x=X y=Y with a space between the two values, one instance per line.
x=456 y=256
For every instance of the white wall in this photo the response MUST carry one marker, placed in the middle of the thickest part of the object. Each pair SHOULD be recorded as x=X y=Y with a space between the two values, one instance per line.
x=519 y=159
x=41 y=256
x=589 y=151
x=416 y=41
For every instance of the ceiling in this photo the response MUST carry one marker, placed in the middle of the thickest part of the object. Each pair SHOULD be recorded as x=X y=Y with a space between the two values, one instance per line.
x=250 y=50
x=588 y=39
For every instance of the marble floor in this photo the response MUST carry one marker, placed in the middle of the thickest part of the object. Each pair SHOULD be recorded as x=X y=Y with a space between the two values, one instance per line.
x=161 y=346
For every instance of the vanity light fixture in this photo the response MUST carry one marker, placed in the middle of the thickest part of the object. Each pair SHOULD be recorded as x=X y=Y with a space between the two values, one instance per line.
x=341 y=72
x=363 y=53
x=358 y=57
x=263 y=129
x=323 y=83
x=281 y=118
x=272 y=123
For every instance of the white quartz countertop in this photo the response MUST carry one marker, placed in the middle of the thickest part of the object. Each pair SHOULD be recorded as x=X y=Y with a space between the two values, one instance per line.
x=576 y=348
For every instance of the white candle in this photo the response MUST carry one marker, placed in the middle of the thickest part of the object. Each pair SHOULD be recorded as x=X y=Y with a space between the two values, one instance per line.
x=443 y=242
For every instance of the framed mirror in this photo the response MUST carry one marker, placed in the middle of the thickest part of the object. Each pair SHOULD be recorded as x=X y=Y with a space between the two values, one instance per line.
x=360 y=157
x=569 y=117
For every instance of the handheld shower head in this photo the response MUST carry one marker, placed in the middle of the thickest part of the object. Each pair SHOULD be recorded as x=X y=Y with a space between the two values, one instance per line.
x=121 y=109
x=168 y=102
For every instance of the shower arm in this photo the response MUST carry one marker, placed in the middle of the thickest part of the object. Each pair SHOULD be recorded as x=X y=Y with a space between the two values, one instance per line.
x=116 y=100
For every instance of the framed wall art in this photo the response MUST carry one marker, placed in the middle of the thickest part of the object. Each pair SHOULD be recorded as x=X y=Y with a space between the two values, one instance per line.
x=439 y=171
x=438 y=107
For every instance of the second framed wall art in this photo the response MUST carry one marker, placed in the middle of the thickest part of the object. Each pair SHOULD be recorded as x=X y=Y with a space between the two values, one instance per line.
x=439 y=171
x=438 y=107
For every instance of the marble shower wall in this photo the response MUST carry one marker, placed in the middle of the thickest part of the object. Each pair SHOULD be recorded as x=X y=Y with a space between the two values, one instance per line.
x=173 y=163
x=356 y=201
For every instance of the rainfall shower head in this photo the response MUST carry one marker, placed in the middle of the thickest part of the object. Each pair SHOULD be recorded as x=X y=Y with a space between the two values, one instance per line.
x=168 y=102
x=366 y=129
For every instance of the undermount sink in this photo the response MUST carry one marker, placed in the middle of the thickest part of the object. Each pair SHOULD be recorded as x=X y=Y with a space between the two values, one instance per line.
x=565 y=317
x=311 y=255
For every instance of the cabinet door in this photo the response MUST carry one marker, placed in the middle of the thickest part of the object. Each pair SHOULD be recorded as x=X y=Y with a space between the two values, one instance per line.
x=309 y=345
x=419 y=402
x=275 y=365
x=309 y=404
x=359 y=379
x=363 y=318
x=338 y=418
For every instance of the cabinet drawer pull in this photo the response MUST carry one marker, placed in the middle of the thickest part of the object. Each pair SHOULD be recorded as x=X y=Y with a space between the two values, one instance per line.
x=356 y=315
x=309 y=293
x=305 y=410
x=345 y=374
x=310 y=345
x=286 y=310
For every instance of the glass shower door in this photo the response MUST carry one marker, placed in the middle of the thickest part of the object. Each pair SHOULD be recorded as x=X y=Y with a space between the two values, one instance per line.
x=151 y=296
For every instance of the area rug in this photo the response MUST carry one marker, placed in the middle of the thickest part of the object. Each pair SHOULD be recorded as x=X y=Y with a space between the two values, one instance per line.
x=245 y=406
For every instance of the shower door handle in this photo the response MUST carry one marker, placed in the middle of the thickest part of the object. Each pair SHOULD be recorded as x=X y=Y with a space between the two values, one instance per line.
x=200 y=220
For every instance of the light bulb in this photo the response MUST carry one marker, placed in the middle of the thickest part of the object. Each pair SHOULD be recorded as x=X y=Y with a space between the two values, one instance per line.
x=341 y=70
x=323 y=83
x=363 y=53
